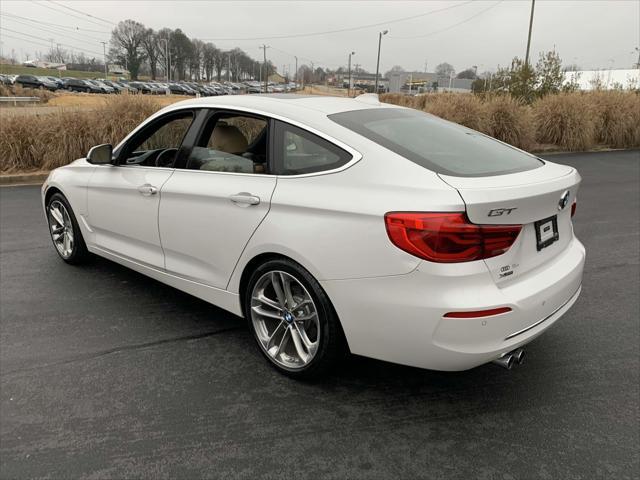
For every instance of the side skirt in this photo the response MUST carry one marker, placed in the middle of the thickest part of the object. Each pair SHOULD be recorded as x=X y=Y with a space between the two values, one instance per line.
x=216 y=296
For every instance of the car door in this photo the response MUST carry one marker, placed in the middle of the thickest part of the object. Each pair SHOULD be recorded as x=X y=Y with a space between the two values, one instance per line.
x=210 y=208
x=123 y=199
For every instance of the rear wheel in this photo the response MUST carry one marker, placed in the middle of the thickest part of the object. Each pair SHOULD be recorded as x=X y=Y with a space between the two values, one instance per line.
x=65 y=233
x=293 y=320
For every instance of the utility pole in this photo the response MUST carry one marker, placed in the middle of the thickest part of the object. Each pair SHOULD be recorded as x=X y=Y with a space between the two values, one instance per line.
x=526 y=58
x=349 y=84
x=296 y=71
x=266 y=72
x=425 y=66
x=228 y=67
x=104 y=53
x=384 y=32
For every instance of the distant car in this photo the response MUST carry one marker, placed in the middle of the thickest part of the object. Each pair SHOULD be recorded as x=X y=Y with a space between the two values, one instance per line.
x=188 y=89
x=57 y=81
x=104 y=88
x=49 y=84
x=332 y=224
x=116 y=87
x=29 y=81
x=141 y=87
x=127 y=86
x=81 y=85
x=177 y=89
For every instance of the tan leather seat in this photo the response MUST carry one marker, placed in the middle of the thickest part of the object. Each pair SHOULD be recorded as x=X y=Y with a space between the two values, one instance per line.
x=229 y=139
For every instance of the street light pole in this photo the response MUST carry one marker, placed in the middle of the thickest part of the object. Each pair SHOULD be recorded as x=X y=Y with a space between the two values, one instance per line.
x=296 y=72
x=526 y=58
x=349 y=84
x=384 y=32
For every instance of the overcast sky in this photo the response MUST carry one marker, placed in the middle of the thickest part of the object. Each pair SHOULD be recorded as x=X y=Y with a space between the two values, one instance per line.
x=592 y=34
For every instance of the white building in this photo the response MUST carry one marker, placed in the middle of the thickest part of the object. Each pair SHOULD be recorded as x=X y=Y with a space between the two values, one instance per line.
x=604 y=79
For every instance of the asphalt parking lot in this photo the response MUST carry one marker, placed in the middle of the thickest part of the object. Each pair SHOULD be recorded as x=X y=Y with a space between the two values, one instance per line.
x=105 y=373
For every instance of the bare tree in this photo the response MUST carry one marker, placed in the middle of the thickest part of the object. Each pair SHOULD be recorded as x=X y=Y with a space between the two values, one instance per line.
x=126 y=45
x=151 y=50
x=444 y=71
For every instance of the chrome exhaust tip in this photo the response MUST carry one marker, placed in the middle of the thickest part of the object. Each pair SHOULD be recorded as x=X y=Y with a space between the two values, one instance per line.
x=518 y=356
x=505 y=361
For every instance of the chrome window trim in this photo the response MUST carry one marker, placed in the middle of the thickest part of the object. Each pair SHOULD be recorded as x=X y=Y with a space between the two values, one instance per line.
x=356 y=156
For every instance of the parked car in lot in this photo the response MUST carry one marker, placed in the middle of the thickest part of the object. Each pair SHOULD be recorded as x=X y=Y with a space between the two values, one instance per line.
x=80 y=85
x=141 y=87
x=177 y=89
x=29 y=81
x=58 y=81
x=334 y=224
x=104 y=88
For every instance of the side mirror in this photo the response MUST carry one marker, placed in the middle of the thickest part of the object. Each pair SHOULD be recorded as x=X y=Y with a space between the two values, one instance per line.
x=100 y=154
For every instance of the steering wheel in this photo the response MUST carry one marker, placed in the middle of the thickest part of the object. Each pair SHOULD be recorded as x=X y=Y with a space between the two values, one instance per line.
x=166 y=157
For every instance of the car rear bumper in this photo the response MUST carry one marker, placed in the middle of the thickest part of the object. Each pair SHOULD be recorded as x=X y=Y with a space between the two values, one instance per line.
x=401 y=318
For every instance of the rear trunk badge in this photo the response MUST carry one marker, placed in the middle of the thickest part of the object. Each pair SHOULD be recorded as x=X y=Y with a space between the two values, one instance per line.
x=564 y=200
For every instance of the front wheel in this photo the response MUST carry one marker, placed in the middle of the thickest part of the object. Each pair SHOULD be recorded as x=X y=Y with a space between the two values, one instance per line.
x=293 y=320
x=65 y=233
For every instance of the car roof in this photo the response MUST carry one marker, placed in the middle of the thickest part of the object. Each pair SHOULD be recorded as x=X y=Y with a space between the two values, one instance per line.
x=302 y=108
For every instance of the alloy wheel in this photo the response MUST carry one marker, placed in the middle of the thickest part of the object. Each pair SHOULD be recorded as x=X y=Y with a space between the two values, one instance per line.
x=61 y=228
x=285 y=319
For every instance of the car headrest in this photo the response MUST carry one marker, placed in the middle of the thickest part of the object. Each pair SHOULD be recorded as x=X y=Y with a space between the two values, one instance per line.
x=229 y=139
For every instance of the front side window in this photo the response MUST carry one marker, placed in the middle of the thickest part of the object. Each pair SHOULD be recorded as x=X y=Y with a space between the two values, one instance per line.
x=298 y=151
x=231 y=143
x=442 y=147
x=158 y=144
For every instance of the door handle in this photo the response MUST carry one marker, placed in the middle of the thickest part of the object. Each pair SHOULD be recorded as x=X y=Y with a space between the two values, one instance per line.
x=244 y=198
x=147 y=190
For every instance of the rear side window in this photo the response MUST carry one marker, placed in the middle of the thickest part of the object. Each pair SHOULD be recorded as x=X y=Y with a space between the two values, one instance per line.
x=298 y=151
x=435 y=144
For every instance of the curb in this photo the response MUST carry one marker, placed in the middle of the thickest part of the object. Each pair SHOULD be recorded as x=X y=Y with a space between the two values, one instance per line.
x=23 y=179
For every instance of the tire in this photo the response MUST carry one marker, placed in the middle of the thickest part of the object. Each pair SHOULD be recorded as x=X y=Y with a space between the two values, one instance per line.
x=71 y=248
x=282 y=332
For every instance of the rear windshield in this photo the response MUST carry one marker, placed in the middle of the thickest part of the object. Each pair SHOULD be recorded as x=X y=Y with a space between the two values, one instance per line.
x=433 y=143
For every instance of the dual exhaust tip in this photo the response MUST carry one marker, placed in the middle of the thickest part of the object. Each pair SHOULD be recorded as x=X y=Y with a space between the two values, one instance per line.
x=508 y=360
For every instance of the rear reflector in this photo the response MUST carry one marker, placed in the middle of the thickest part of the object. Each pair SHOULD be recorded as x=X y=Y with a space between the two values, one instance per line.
x=478 y=314
x=448 y=237
x=574 y=205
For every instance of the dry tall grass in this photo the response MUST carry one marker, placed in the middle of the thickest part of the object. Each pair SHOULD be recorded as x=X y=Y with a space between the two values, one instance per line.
x=616 y=118
x=43 y=142
x=571 y=121
x=466 y=110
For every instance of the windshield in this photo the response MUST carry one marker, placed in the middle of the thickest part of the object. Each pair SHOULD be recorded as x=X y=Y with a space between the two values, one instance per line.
x=435 y=144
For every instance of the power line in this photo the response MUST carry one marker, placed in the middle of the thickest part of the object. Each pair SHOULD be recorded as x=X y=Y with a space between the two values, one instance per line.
x=26 y=40
x=72 y=36
x=66 y=13
x=81 y=12
x=69 y=27
x=350 y=29
x=46 y=39
x=450 y=26
x=304 y=58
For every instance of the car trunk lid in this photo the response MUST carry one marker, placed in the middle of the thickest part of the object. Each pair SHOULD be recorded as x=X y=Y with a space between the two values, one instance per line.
x=540 y=200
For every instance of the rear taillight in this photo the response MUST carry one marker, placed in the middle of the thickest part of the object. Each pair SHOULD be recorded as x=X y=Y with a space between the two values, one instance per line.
x=448 y=237
x=574 y=205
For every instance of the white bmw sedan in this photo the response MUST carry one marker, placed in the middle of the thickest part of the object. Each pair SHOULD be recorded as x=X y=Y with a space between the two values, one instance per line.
x=334 y=225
